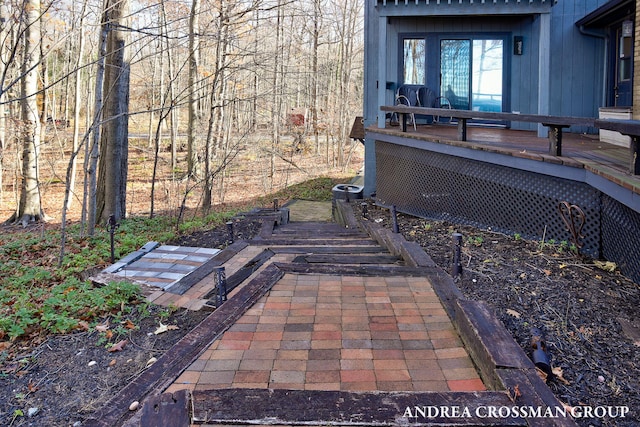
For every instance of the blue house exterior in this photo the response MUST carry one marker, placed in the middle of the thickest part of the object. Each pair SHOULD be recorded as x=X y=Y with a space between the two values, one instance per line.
x=526 y=56
x=569 y=58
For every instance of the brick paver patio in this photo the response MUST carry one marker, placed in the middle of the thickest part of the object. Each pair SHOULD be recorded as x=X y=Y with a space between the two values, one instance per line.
x=321 y=332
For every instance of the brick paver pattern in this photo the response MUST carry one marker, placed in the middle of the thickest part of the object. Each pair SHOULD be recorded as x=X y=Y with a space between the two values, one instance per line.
x=318 y=332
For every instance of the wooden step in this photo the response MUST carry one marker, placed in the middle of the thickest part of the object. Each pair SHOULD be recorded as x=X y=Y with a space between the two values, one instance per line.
x=275 y=241
x=347 y=259
x=318 y=407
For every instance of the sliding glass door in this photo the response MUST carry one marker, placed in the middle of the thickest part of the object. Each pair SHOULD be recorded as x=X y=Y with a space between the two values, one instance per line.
x=472 y=73
x=455 y=72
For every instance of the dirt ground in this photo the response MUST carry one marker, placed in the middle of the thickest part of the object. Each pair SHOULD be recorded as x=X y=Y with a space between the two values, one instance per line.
x=579 y=307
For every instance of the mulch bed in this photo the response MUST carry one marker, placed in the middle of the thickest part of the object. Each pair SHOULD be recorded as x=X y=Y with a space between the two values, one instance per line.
x=580 y=307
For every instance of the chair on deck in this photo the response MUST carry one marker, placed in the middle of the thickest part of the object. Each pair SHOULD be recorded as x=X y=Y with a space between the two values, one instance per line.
x=408 y=95
x=421 y=96
x=428 y=98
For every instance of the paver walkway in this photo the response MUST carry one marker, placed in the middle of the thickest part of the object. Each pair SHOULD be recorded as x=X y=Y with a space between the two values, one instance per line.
x=323 y=332
x=334 y=331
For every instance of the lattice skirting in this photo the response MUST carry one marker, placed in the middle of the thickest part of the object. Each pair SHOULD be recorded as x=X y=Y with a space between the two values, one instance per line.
x=508 y=200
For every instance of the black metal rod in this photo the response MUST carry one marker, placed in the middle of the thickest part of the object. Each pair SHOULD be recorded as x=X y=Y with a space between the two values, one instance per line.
x=230 y=231
x=456 y=270
x=365 y=209
x=221 y=284
x=394 y=219
x=113 y=249
x=539 y=351
x=112 y=225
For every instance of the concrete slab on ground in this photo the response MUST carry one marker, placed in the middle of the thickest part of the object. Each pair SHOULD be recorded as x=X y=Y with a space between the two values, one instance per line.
x=165 y=266
x=306 y=210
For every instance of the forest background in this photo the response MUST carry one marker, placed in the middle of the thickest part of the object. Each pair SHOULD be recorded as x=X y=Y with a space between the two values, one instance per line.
x=118 y=107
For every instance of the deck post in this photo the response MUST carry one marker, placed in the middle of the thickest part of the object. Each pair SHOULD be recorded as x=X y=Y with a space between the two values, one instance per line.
x=634 y=164
x=462 y=129
x=555 y=139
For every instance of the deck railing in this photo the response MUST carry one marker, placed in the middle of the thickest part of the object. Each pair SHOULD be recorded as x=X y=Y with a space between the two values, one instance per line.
x=555 y=124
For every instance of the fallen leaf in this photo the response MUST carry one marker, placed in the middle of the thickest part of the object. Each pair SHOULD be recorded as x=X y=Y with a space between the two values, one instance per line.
x=513 y=313
x=5 y=345
x=32 y=387
x=109 y=334
x=118 y=346
x=129 y=324
x=605 y=265
x=516 y=391
x=557 y=372
x=151 y=362
x=83 y=325
x=113 y=362
x=164 y=328
x=547 y=272
x=542 y=374
x=102 y=328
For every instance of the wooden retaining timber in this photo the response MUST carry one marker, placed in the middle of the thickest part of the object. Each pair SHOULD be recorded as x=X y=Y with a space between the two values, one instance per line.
x=488 y=342
x=305 y=407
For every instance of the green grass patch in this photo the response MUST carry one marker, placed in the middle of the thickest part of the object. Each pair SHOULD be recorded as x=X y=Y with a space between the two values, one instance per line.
x=318 y=189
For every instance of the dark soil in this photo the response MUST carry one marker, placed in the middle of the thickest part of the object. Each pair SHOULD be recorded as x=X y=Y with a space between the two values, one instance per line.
x=57 y=384
x=579 y=307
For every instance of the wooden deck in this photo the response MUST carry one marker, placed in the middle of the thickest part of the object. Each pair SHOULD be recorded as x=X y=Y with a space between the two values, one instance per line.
x=578 y=150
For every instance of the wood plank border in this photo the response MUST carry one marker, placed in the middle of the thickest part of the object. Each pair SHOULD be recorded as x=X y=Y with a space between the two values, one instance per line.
x=489 y=344
x=307 y=407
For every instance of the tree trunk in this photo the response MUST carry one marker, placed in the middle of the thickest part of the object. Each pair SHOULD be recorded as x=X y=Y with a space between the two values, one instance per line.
x=194 y=60
x=30 y=208
x=317 y=14
x=76 y=106
x=112 y=170
x=4 y=56
x=92 y=153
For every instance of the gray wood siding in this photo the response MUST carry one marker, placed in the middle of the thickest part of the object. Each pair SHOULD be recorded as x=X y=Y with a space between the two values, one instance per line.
x=577 y=62
x=576 y=69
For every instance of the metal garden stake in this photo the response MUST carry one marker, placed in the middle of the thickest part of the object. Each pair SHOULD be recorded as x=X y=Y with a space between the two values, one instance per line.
x=394 y=219
x=456 y=270
x=230 y=231
x=112 y=225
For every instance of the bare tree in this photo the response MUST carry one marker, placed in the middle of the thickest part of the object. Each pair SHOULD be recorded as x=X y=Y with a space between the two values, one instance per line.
x=194 y=61
x=4 y=62
x=77 y=99
x=92 y=151
x=113 y=163
x=30 y=207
